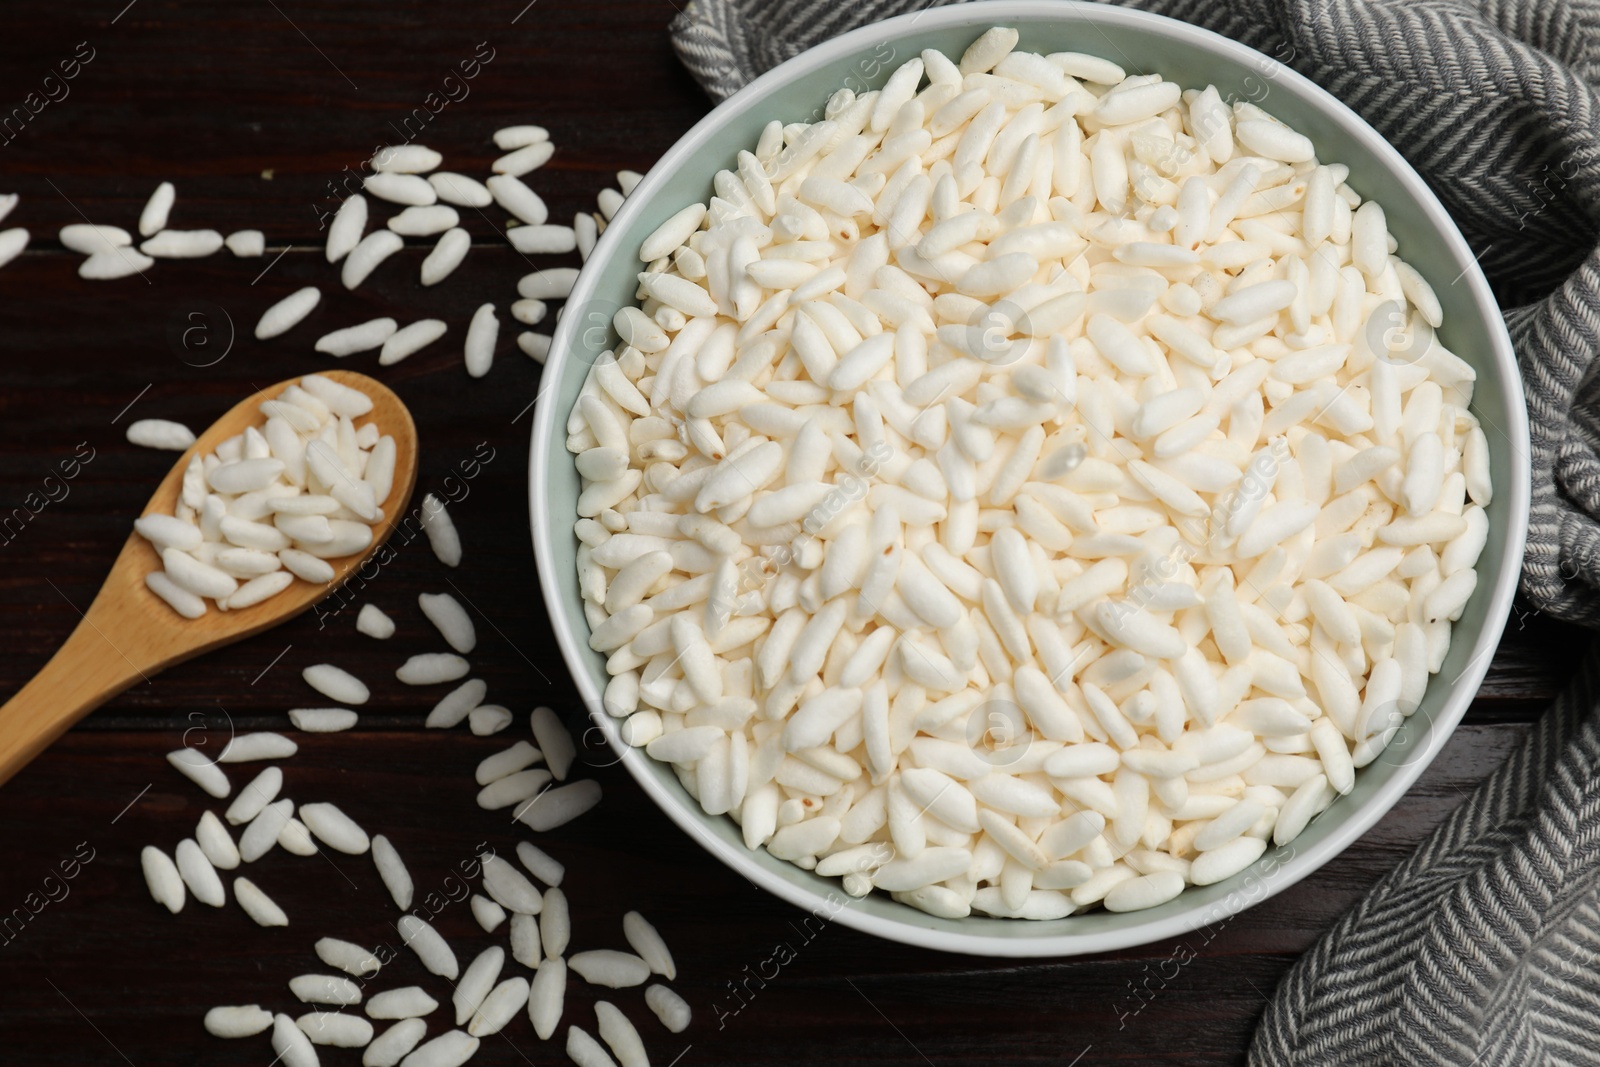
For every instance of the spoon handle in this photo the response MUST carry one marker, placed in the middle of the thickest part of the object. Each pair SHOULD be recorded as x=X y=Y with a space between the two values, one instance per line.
x=85 y=672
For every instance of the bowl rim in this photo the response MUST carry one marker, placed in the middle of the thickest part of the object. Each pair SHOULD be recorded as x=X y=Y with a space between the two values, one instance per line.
x=1299 y=865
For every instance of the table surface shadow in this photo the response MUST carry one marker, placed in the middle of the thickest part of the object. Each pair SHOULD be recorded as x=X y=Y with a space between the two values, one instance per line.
x=262 y=114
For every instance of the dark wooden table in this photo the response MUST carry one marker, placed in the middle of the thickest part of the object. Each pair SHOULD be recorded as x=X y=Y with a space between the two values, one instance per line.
x=255 y=109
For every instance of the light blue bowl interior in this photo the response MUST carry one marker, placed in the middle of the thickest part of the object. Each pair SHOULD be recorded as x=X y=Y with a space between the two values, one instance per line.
x=1139 y=46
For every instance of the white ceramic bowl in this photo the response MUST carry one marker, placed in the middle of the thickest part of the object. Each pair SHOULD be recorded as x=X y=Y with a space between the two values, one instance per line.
x=1192 y=57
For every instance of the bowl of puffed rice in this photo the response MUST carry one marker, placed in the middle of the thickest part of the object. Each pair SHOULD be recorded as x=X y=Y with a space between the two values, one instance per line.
x=1029 y=479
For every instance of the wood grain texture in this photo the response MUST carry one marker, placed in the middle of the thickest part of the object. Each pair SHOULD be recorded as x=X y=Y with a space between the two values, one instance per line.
x=211 y=95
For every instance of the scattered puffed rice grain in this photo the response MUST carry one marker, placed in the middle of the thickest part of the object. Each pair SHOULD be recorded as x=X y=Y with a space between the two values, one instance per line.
x=620 y=1034
x=392 y=870
x=246 y=244
x=410 y=339
x=256 y=904
x=545 y=240
x=405 y=159
x=198 y=874
x=489 y=914
x=460 y=190
x=513 y=788
x=260 y=792
x=529 y=312
x=647 y=942
x=323 y=720
x=555 y=928
x=540 y=864
x=12 y=242
x=325 y=989
x=671 y=1009
x=510 y=887
x=113 y=264
x=447 y=254
x=336 y=683
x=287 y=313
x=182 y=244
x=216 y=842
x=410 y=190
x=441 y=531
x=335 y=1029
x=559 y=806
x=552 y=283
x=476 y=982
x=374 y=623
x=488 y=719
x=610 y=968
x=507 y=762
x=431 y=668
x=362 y=337
x=425 y=221
x=554 y=741
x=348 y=956
x=295 y=838
x=90 y=239
x=450 y=1049
x=291 y=1043
x=510 y=193
x=430 y=948
x=199 y=769
x=547 y=993
x=525 y=947
x=262 y=833
x=524 y=160
x=153 y=218
x=536 y=346
x=389 y=1047
x=405 y=1002
x=499 y=1007
x=160 y=433
x=162 y=877
x=245 y=748
x=511 y=137
x=364 y=258
x=349 y=223
x=456 y=704
x=585 y=233
x=335 y=829
x=482 y=333
x=242 y=1020
x=585 y=1051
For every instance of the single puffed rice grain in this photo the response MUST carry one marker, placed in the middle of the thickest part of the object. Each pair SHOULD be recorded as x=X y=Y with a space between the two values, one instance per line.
x=392 y=870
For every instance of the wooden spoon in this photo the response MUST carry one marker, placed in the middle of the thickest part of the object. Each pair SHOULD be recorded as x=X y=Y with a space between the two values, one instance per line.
x=129 y=634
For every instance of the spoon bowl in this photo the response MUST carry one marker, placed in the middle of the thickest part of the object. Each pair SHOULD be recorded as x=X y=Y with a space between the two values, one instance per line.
x=129 y=634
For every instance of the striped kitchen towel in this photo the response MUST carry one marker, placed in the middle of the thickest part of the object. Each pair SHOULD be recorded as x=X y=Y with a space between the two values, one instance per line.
x=1497 y=104
x=1483 y=948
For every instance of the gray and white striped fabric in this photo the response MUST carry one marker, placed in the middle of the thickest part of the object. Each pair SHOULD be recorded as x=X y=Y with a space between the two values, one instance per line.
x=1484 y=947
x=1497 y=105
